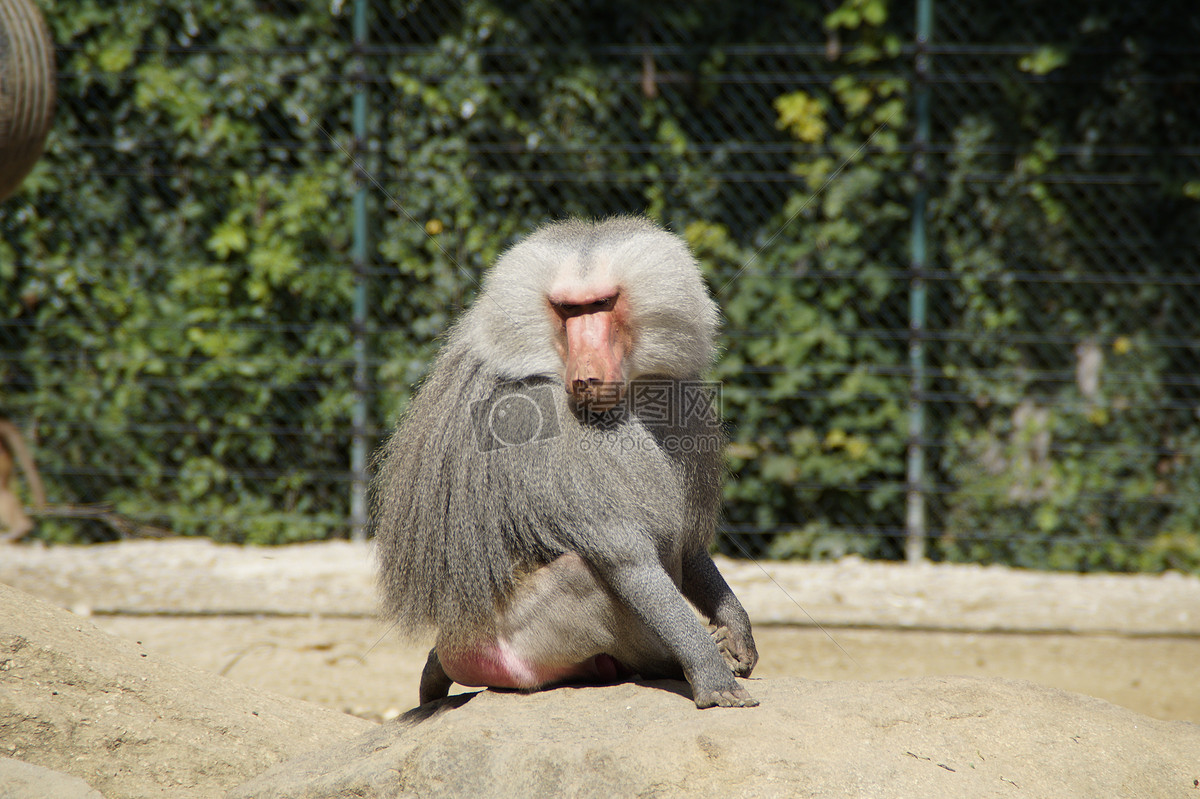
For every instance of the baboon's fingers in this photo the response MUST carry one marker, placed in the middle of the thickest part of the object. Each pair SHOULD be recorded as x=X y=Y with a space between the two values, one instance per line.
x=734 y=697
x=740 y=658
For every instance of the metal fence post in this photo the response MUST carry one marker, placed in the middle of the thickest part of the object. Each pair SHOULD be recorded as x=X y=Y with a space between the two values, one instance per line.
x=358 y=444
x=915 y=515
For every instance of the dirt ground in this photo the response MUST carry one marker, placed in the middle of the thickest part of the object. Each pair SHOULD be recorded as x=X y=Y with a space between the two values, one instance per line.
x=299 y=621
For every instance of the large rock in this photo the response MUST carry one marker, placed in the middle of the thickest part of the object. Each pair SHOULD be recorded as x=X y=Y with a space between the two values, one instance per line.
x=931 y=737
x=21 y=780
x=76 y=700
x=80 y=702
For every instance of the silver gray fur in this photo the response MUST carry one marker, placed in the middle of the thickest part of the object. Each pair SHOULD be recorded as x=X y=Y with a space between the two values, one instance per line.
x=471 y=497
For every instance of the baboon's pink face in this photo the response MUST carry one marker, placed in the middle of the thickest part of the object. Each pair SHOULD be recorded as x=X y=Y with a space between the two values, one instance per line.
x=593 y=338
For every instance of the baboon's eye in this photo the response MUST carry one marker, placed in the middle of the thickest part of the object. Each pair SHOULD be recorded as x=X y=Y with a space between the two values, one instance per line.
x=569 y=309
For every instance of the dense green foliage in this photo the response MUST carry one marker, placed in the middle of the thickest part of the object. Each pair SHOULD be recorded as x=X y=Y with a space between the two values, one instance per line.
x=177 y=279
x=1068 y=239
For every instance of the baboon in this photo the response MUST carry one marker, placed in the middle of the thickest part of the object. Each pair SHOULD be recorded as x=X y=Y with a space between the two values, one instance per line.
x=15 y=523
x=548 y=500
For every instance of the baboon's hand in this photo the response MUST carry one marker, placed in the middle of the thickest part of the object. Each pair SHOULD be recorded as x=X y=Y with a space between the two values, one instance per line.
x=737 y=650
x=724 y=697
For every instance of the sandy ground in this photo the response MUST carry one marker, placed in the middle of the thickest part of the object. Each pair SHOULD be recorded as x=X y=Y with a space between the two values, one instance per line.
x=300 y=621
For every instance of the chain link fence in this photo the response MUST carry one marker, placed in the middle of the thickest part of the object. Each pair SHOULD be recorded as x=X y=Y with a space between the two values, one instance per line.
x=955 y=243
